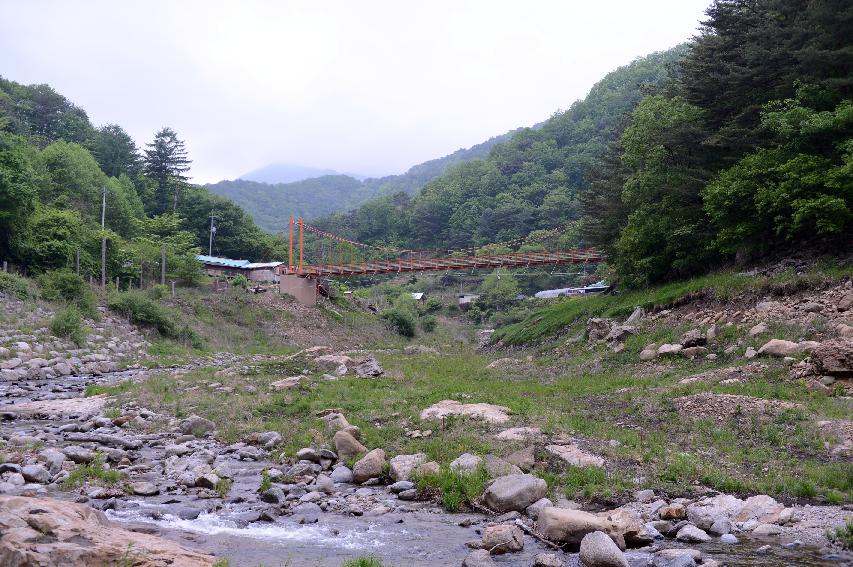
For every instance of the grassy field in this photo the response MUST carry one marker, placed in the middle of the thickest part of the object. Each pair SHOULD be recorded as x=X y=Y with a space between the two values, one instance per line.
x=617 y=409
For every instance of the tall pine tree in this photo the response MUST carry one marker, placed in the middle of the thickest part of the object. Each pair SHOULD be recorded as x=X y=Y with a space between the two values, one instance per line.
x=166 y=163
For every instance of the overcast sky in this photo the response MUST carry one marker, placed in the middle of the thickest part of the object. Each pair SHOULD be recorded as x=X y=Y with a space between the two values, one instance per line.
x=363 y=86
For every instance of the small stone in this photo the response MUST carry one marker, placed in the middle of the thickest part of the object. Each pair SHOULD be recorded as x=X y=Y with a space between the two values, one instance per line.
x=692 y=534
x=35 y=473
x=478 y=558
x=341 y=474
x=144 y=489
x=763 y=550
x=466 y=463
x=196 y=425
x=548 y=560
x=764 y=530
x=728 y=538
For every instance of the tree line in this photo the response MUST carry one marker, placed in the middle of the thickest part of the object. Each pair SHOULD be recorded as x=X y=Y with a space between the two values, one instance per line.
x=56 y=169
x=733 y=146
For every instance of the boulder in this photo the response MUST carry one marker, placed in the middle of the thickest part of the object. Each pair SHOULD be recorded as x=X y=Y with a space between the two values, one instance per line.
x=597 y=329
x=348 y=446
x=341 y=474
x=514 y=492
x=35 y=473
x=466 y=463
x=144 y=488
x=649 y=353
x=78 y=454
x=667 y=349
x=536 y=508
x=674 y=511
x=489 y=413
x=569 y=526
x=630 y=525
x=478 y=558
x=284 y=384
x=333 y=361
x=692 y=534
x=834 y=358
x=268 y=439
x=575 y=456
x=759 y=329
x=780 y=348
x=370 y=466
x=694 y=352
x=503 y=538
x=548 y=560
x=693 y=338
x=80 y=535
x=402 y=466
x=525 y=459
x=369 y=368
x=496 y=467
x=335 y=422
x=598 y=550
x=196 y=425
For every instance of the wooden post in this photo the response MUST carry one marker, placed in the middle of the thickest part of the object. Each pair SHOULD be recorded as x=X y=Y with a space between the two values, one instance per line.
x=163 y=265
x=300 y=244
x=290 y=257
x=173 y=289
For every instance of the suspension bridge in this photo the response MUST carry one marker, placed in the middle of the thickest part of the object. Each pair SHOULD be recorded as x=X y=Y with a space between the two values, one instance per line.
x=401 y=261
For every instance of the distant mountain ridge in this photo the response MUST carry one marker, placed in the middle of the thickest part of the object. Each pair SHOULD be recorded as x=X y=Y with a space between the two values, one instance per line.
x=271 y=204
x=288 y=173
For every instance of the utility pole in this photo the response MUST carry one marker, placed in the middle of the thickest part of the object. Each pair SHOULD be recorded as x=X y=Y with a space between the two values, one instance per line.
x=103 y=238
x=212 y=233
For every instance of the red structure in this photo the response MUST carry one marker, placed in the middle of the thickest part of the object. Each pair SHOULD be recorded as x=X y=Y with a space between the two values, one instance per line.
x=417 y=261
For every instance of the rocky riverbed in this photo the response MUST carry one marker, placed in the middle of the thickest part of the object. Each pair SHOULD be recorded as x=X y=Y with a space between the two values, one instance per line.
x=179 y=482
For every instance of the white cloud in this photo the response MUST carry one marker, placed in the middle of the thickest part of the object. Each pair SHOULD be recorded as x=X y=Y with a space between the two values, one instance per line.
x=370 y=87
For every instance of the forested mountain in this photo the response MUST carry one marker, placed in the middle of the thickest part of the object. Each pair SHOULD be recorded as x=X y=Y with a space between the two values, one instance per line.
x=271 y=204
x=527 y=182
x=737 y=144
x=55 y=167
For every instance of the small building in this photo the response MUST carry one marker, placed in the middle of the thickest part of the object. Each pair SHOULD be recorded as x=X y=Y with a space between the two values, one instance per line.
x=419 y=296
x=599 y=287
x=261 y=271
x=222 y=267
x=467 y=299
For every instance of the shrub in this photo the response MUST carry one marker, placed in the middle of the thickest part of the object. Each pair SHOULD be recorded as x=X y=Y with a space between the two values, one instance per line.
x=240 y=281
x=65 y=285
x=137 y=307
x=402 y=321
x=14 y=284
x=157 y=292
x=68 y=324
x=454 y=488
x=363 y=561
x=428 y=323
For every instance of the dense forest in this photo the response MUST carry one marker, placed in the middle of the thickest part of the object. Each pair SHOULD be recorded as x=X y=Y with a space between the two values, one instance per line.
x=56 y=169
x=734 y=145
x=271 y=204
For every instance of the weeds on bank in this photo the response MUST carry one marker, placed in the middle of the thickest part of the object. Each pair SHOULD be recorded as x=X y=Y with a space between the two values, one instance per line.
x=107 y=389
x=364 y=561
x=94 y=471
x=455 y=489
x=842 y=535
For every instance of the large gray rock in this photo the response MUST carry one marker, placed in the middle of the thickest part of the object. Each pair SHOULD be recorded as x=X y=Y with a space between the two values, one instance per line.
x=780 y=348
x=402 y=466
x=78 y=454
x=598 y=550
x=496 y=466
x=348 y=446
x=196 y=425
x=568 y=526
x=369 y=466
x=466 y=463
x=268 y=439
x=524 y=459
x=514 y=492
x=692 y=534
x=53 y=459
x=35 y=473
x=369 y=368
x=503 y=538
x=341 y=474
x=478 y=558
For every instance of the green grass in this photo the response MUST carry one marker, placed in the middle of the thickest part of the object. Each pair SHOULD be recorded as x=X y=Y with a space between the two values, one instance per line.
x=363 y=561
x=454 y=489
x=843 y=535
x=555 y=317
x=93 y=472
x=108 y=389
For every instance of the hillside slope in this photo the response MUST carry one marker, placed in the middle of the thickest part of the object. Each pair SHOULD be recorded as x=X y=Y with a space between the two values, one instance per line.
x=270 y=204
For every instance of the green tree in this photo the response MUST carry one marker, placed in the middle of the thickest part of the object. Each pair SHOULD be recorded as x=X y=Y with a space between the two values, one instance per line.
x=799 y=188
x=497 y=292
x=116 y=152
x=166 y=162
x=18 y=195
x=666 y=234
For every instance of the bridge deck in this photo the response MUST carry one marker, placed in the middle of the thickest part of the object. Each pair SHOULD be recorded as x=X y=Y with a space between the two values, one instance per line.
x=415 y=264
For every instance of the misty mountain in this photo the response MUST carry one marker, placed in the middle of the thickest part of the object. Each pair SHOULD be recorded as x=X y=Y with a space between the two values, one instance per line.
x=287 y=173
x=271 y=204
